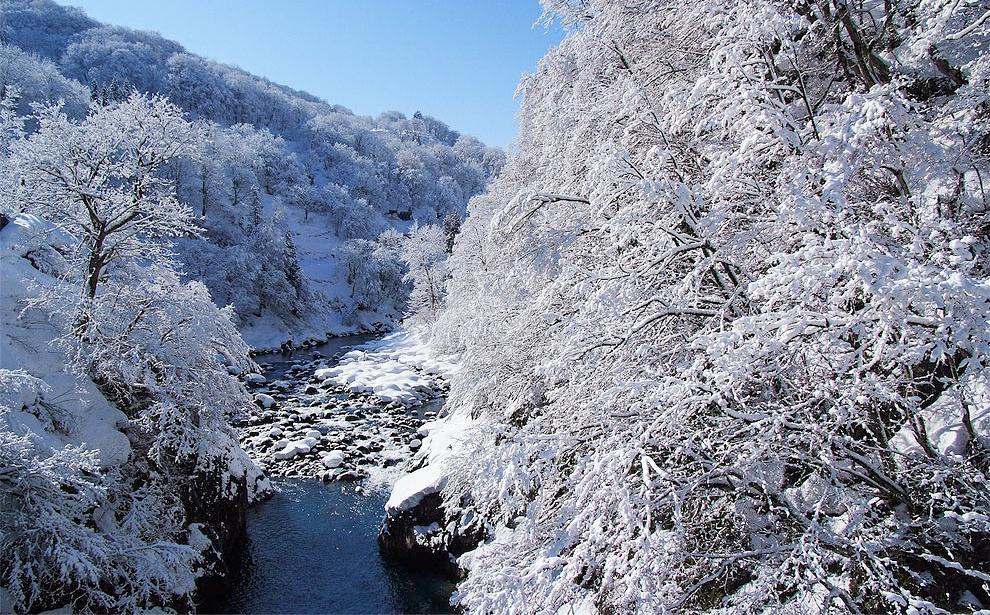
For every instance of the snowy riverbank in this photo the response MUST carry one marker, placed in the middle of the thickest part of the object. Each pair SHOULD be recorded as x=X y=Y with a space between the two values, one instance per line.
x=344 y=411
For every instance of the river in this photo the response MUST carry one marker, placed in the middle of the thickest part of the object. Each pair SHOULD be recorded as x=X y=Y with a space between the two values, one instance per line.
x=312 y=548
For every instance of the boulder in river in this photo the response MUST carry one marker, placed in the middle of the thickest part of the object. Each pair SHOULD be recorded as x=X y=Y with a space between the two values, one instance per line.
x=264 y=401
x=351 y=476
x=333 y=459
x=256 y=379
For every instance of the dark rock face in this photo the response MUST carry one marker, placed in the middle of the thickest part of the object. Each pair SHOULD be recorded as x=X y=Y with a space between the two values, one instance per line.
x=428 y=534
x=208 y=501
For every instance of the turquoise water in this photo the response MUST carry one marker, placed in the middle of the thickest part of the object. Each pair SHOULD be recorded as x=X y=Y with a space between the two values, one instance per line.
x=313 y=548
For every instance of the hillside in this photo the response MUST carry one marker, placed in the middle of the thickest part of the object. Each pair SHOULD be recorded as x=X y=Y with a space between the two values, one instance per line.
x=273 y=168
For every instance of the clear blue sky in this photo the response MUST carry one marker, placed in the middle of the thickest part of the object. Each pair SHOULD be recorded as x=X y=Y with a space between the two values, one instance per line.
x=457 y=60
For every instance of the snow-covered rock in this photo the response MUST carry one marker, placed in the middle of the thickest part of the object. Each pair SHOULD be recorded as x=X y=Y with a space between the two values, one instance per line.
x=265 y=401
x=412 y=488
x=333 y=459
x=397 y=368
x=295 y=447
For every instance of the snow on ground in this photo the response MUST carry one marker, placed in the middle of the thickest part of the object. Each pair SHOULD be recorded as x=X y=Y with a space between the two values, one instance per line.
x=26 y=344
x=332 y=315
x=399 y=367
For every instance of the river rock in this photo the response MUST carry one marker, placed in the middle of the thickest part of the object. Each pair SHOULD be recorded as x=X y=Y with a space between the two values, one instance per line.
x=428 y=534
x=333 y=459
x=264 y=401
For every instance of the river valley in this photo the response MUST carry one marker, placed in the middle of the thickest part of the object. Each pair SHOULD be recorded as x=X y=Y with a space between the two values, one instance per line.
x=332 y=456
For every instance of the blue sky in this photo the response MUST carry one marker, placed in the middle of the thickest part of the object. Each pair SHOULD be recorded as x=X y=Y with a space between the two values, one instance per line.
x=458 y=60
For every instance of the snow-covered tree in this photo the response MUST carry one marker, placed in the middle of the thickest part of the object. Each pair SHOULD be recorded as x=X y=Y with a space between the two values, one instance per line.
x=110 y=539
x=376 y=274
x=99 y=180
x=424 y=252
x=11 y=124
x=38 y=81
x=724 y=315
x=451 y=226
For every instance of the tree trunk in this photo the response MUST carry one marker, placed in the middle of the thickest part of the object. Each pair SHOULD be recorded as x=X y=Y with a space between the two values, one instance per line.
x=94 y=268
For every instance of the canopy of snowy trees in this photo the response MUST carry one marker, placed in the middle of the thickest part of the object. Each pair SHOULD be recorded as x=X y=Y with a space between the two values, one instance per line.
x=725 y=315
x=269 y=163
x=116 y=375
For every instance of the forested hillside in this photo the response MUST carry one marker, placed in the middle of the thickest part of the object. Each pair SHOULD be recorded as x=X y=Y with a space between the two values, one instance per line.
x=291 y=193
x=154 y=207
x=724 y=318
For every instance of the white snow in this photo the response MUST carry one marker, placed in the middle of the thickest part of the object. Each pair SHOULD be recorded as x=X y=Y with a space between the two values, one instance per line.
x=412 y=488
x=333 y=459
x=394 y=368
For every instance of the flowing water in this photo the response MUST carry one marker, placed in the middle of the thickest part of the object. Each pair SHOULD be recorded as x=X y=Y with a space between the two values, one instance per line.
x=312 y=548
